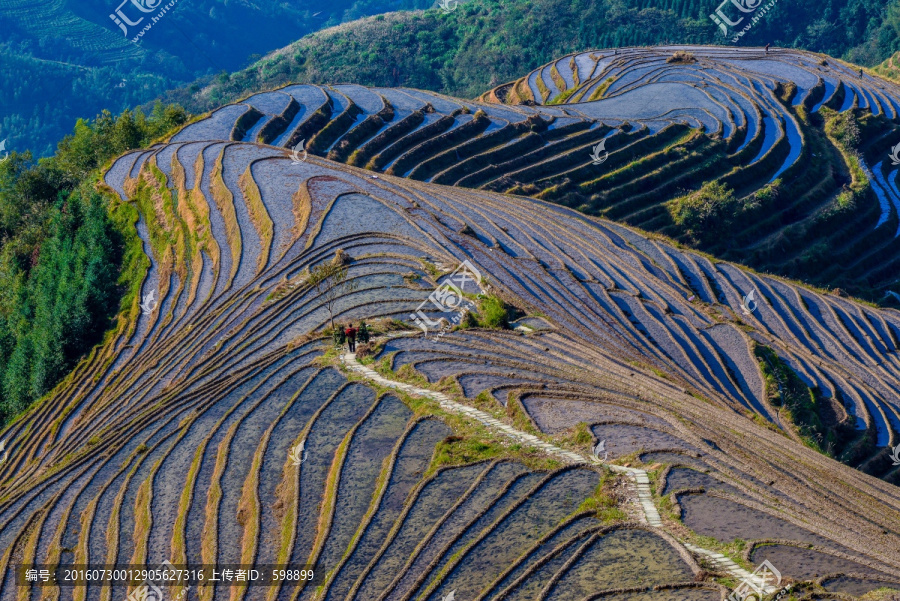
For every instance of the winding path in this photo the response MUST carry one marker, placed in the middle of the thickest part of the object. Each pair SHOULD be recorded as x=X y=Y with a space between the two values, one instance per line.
x=639 y=477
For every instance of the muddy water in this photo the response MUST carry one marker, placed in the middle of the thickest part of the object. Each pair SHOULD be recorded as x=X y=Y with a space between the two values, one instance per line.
x=681 y=478
x=856 y=586
x=622 y=439
x=685 y=594
x=435 y=370
x=623 y=558
x=373 y=442
x=355 y=213
x=481 y=498
x=474 y=384
x=280 y=442
x=673 y=459
x=433 y=502
x=529 y=588
x=241 y=451
x=574 y=531
x=522 y=486
x=328 y=431
x=411 y=462
x=802 y=564
x=517 y=532
x=726 y=520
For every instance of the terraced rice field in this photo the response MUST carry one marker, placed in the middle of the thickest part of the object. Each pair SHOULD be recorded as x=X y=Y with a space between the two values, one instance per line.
x=177 y=439
x=752 y=120
x=50 y=17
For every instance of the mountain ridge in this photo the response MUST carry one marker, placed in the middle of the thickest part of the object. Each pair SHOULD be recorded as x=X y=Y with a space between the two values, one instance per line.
x=745 y=421
x=796 y=161
x=176 y=439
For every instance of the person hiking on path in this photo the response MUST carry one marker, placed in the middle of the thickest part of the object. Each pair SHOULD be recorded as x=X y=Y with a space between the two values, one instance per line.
x=363 y=333
x=351 y=338
x=341 y=335
x=767 y=49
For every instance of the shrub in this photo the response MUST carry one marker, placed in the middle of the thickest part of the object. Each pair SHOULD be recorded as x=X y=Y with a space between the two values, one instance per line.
x=681 y=57
x=583 y=434
x=460 y=450
x=882 y=594
x=844 y=128
x=330 y=280
x=495 y=313
x=470 y=320
x=606 y=501
x=708 y=213
x=579 y=434
x=845 y=201
x=766 y=196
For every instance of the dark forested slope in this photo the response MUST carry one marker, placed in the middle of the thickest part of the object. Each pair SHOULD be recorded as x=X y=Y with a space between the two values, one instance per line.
x=484 y=42
x=60 y=61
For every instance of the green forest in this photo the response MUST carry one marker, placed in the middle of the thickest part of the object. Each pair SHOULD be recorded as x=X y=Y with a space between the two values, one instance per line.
x=64 y=245
x=48 y=80
x=483 y=43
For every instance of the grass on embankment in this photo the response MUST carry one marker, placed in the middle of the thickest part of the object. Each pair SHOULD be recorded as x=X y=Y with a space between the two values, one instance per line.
x=471 y=441
x=801 y=408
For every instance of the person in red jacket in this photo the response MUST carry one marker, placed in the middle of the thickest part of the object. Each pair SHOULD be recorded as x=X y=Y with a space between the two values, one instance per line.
x=351 y=338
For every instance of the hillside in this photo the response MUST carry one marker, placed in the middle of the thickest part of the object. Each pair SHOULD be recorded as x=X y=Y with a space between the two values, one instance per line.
x=798 y=145
x=889 y=68
x=806 y=182
x=219 y=425
x=61 y=61
x=69 y=257
x=482 y=43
